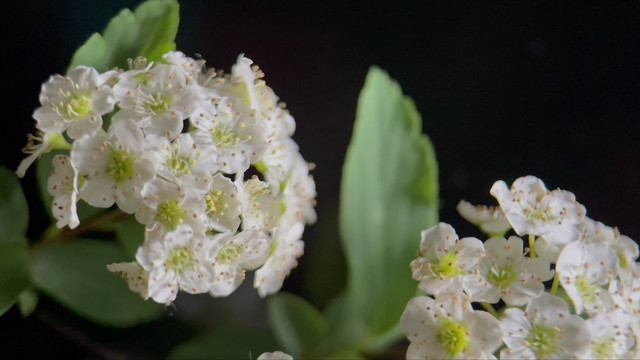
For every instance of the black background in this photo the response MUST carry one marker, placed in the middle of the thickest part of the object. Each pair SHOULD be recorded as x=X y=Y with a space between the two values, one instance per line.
x=504 y=91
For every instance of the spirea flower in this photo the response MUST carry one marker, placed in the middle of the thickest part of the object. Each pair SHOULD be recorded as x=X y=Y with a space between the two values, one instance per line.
x=489 y=219
x=449 y=329
x=63 y=186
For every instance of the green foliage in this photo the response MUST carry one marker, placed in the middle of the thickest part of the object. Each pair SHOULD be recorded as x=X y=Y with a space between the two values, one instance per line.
x=149 y=31
x=75 y=274
x=297 y=325
x=14 y=260
x=27 y=300
x=130 y=233
x=389 y=193
x=226 y=343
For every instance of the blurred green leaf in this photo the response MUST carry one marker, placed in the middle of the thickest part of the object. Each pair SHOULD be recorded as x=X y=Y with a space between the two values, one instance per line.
x=131 y=234
x=14 y=213
x=226 y=343
x=149 y=31
x=297 y=325
x=75 y=274
x=44 y=166
x=14 y=267
x=27 y=300
x=389 y=193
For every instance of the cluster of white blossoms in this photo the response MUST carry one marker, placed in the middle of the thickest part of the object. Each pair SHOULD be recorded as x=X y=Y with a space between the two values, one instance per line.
x=204 y=160
x=596 y=314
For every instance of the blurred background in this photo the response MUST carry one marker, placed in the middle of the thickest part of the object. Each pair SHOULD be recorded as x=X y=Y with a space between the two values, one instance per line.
x=504 y=91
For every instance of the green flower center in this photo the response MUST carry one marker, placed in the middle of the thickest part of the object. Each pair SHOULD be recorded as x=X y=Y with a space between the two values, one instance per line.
x=158 y=104
x=179 y=165
x=179 y=258
x=586 y=289
x=169 y=214
x=447 y=265
x=501 y=275
x=228 y=254
x=542 y=341
x=215 y=203
x=77 y=106
x=604 y=349
x=453 y=337
x=224 y=138
x=120 y=165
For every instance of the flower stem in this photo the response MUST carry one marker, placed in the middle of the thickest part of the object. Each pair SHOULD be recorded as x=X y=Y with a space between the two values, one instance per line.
x=490 y=309
x=532 y=246
x=98 y=222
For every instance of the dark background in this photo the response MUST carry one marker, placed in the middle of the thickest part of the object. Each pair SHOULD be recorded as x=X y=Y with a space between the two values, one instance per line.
x=504 y=91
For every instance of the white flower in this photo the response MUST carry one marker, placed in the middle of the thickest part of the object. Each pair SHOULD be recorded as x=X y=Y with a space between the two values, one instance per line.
x=549 y=245
x=509 y=274
x=583 y=270
x=189 y=67
x=115 y=166
x=75 y=102
x=610 y=334
x=532 y=209
x=177 y=260
x=230 y=130
x=260 y=207
x=489 y=219
x=158 y=99
x=299 y=195
x=232 y=255
x=280 y=156
x=449 y=329
x=36 y=146
x=446 y=259
x=285 y=250
x=134 y=275
x=625 y=248
x=545 y=330
x=276 y=355
x=177 y=161
x=63 y=186
x=167 y=206
x=223 y=205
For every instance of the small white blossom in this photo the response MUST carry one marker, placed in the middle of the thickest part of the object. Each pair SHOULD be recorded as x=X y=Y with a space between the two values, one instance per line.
x=276 y=355
x=63 y=186
x=177 y=260
x=299 y=195
x=177 y=161
x=232 y=255
x=611 y=337
x=115 y=166
x=134 y=275
x=223 y=205
x=189 y=67
x=449 y=329
x=285 y=251
x=260 y=207
x=446 y=260
x=583 y=270
x=75 y=103
x=509 y=275
x=229 y=129
x=489 y=219
x=545 y=330
x=532 y=209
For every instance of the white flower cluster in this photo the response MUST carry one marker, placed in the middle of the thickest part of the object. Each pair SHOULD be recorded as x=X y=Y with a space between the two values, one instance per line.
x=596 y=316
x=204 y=160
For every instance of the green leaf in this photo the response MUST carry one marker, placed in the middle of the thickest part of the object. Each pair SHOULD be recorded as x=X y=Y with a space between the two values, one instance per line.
x=14 y=213
x=149 y=31
x=389 y=193
x=297 y=325
x=130 y=233
x=27 y=300
x=75 y=274
x=14 y=267
x=225 y=343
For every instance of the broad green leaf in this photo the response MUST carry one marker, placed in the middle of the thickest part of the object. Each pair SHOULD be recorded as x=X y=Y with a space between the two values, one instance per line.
x=225 y=343
x=14 y=213
x=14 y=267
x=44 y=166
x=75 y=274
x=149 y=31
x=297 y=325
x=27 y=300
x=131 y=234
x=389 y=193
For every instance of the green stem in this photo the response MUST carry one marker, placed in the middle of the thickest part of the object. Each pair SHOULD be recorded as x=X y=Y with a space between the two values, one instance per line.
x=554 y=285
x=490 y=309
x=98 y=222
x=532 y=246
